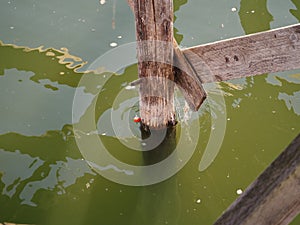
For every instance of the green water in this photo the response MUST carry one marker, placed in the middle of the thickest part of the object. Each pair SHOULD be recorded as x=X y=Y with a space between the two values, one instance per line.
x=44 y=177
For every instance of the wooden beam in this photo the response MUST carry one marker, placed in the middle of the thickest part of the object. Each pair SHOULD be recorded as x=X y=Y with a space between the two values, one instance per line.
x=264 y=52
x=154 y=34
x=187 y=80
x=274 y=197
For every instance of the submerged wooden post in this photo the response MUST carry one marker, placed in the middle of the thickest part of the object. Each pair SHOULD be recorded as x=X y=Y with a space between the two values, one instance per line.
x=274 y=197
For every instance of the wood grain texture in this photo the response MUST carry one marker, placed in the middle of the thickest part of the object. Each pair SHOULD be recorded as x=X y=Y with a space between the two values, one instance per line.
x=265 y=52
x=274 y=197
x=187 y=80
x=154 y=34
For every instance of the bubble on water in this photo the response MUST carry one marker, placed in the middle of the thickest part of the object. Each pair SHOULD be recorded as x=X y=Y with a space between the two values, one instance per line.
x=198 y=201
x=233 y=9
x=113 y=44
x=239 y=191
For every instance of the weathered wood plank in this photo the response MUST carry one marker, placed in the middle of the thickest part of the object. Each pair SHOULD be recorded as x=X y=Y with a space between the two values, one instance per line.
x=187 y=80
x=274 y=197
x=154 y=34
x=264 y=52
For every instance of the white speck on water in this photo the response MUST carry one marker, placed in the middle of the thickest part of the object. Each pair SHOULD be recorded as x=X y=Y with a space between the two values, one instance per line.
x=198 y=201
x=273 y=111
x=239 y=191
x=87 y=185
x=113 y=44
x=121 y=214
x=293 y=128
x=233 y=9
x=12 y=27
x=61 y=73
x=228 y=175
x=102 y=2
x=222 y=25
x=106 y=189
x=252 y=11
x=119 y=37
x=53 y=11
x=144 y=144
x=129 y=87
x=228 y=119
x=103 y=134
x=93 y=29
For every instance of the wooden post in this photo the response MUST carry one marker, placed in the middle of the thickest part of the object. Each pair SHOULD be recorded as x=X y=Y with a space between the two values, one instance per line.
x=274 y=197
x=160 y=64
x=154 y=34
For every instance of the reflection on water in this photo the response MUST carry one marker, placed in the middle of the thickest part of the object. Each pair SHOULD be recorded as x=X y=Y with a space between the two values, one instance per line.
x=257 y=12
x=43 y=178
x=296 y=12
x=52 y=177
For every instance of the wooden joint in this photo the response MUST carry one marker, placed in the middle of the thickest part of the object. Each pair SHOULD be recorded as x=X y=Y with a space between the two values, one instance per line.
x=187 y=80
